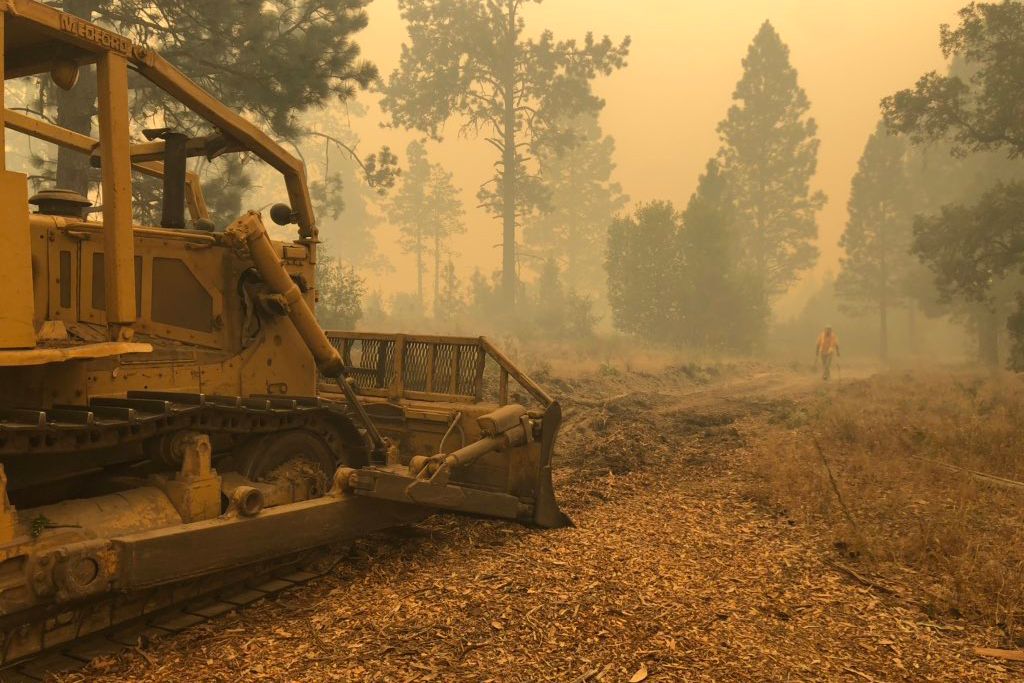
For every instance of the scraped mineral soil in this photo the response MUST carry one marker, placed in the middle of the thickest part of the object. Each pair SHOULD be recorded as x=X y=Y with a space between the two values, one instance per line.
x=671 y=574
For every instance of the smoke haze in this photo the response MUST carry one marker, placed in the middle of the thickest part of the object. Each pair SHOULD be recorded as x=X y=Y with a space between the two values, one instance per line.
x=663 y=108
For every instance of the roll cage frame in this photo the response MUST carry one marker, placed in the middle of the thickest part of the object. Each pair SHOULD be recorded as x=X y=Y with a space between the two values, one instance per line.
x=39 y=39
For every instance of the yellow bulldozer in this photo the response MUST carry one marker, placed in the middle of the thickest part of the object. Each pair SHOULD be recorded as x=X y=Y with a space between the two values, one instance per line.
x=172 y=416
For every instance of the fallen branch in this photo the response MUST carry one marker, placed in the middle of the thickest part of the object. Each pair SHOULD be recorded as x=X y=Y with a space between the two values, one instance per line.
x=469 y=647
x=839 y=496
x=938 y=627
x=583 y=678
x=863 y=675
x=987 y=478
x=861 y=578
x=1009 y=655
x=142 y=653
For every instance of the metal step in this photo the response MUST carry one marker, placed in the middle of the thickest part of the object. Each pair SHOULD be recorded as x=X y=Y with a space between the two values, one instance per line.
x=299 y=401
x=114 y=413
x=169 y=397
x=255 y=403
x=14 y=417
x=141 y=405
x=72 y=415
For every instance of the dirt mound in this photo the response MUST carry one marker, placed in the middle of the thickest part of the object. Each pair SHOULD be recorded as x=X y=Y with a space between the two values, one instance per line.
x=620 y=432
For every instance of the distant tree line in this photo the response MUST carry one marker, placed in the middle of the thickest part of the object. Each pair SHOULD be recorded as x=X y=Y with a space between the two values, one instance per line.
x=707 y=276
x=932 y=221
x=546 y=308
x=933 y=216
x=427 y=209
x=936 y=204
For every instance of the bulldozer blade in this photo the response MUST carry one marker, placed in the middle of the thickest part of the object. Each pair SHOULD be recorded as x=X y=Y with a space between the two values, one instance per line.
x=546 y=512
x=536 y=506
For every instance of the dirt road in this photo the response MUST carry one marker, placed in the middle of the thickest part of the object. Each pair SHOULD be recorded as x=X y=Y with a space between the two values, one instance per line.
x=671 y=570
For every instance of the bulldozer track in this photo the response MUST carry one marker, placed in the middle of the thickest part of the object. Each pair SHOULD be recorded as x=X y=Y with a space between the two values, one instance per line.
x=60 y=638
x=241 y=589
x=111 y=422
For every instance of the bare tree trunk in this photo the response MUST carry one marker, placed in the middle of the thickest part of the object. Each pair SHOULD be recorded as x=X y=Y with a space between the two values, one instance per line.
x=420 y=265
x=759 y=342
x=449 y=292
x=988 y=336
x=883 y=308
x=437 y=271
x=883 y=332
x=914 y=344
x=509 y=167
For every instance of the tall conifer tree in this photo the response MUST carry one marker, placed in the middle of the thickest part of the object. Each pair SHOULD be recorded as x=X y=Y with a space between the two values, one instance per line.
x=878 y=232
x=583 y=200
x=770 y=152
x=428 y=213
x=720 y=307
x=644 y=266
x=471 y=59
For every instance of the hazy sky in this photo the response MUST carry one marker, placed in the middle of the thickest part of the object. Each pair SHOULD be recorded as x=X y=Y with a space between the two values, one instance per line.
x=663 y=108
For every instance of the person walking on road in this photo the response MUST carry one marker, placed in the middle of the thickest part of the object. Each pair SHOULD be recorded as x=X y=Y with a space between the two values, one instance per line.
x=828 y=345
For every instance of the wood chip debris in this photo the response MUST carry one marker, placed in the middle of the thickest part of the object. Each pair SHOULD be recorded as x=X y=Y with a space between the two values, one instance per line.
x=671 y=574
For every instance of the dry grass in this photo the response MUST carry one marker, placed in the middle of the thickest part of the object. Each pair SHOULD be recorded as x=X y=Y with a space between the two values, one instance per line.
x=896 y=503
x=611 y=356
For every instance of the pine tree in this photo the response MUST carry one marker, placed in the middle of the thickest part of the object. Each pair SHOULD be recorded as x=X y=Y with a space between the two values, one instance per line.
x=583 y=200
x=484 y=295
x=450 y=305
x=446 y=221
x=549 y=302
x=408 y=207
x=769 y=152
x=679 y=278
x=339 y=293
x=558 y=310
x=644 y=269
x=878 y=232
x=428 y=212
x=721 y=306
x=470 y=59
